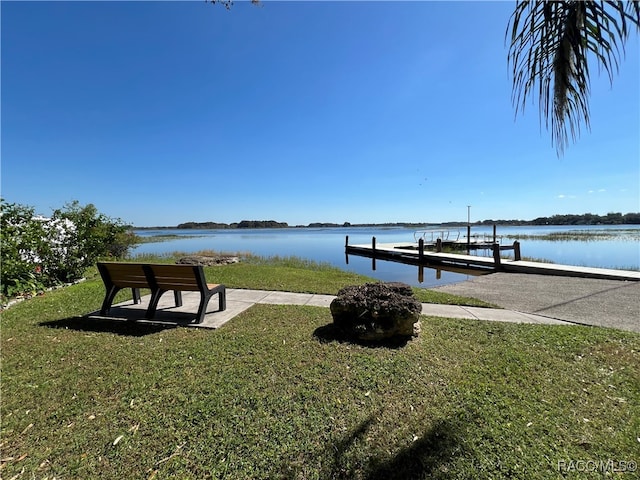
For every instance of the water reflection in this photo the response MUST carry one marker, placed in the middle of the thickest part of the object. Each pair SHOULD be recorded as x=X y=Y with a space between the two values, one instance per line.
x=422 y=276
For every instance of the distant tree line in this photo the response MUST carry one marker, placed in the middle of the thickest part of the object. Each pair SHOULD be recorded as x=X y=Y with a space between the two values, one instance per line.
x=242 y=224
x=274 y=224
x=570 y=219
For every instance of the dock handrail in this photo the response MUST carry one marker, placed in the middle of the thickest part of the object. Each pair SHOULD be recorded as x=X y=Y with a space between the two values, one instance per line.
x=486 y=238
x=430 y=236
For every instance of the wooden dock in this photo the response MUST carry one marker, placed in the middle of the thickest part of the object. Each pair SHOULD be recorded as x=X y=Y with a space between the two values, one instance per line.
x=412 y=254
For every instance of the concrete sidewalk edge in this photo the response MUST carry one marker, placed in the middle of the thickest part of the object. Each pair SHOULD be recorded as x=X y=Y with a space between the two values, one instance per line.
x=239 y=300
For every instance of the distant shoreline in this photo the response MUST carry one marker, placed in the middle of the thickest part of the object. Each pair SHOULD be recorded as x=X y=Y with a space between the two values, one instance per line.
x=586 y=219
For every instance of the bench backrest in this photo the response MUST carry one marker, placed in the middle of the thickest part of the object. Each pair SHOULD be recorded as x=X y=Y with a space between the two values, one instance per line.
x=178 y=277
x=123 y=275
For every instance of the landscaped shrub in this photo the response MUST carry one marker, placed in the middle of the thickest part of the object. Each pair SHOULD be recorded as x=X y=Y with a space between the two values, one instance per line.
x=21 y=234
x=82 y=236
x=39 y=252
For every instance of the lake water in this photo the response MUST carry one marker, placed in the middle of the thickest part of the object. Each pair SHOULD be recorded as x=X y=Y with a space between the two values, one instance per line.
x=619 y=250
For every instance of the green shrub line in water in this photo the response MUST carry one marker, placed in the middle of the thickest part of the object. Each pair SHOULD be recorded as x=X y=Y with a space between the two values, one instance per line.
x=626 y=234
x=264 y=397
x=163 y=238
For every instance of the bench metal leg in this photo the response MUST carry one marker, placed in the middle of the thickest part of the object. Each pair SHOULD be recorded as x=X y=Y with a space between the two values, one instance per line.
x=222 y=299
x=112 y=291
x=153 y=304
x=108 y=299
x=155 y=299
x=204 y=301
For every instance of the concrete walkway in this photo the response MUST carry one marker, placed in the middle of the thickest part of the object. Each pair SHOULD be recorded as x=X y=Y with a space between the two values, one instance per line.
x=588 y=301
x=239 y=300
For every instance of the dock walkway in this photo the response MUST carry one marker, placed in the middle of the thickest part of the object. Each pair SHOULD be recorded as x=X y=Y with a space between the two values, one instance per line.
x=409 y=253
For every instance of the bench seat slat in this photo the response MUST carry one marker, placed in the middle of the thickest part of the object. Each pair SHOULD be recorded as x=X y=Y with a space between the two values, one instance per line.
x=185 y=287
x=127 y=275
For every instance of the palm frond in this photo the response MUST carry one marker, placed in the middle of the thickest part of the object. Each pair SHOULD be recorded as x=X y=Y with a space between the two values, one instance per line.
x=551 y=45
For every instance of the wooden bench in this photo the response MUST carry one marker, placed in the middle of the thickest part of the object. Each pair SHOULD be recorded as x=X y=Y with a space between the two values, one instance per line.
x=160 y=279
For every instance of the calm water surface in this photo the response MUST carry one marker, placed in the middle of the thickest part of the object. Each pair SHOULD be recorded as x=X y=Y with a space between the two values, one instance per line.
x=327 y=245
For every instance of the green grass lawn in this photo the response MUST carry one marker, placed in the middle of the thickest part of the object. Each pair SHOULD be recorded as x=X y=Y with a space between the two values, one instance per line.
x=264 y=397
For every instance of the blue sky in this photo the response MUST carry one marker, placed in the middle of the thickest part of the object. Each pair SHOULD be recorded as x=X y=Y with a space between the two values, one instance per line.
x=160 y=113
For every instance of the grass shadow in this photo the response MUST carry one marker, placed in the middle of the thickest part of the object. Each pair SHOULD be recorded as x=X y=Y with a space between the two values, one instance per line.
x=106 y=325
x=427 y=457
x=338 y=467
x=330 y=333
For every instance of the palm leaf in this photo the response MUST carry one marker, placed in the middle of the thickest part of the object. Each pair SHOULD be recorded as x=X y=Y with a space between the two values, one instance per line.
x=552 y=43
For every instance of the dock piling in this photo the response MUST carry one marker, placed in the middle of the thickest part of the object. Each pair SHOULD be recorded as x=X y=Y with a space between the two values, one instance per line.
x=373 y=253
x=496 y=256
x=346 y=250
x=516 y=250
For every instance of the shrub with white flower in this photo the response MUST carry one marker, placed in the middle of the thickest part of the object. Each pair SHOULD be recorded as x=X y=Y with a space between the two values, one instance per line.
x=39 y=252
x=20 y=236
x=62 y=254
